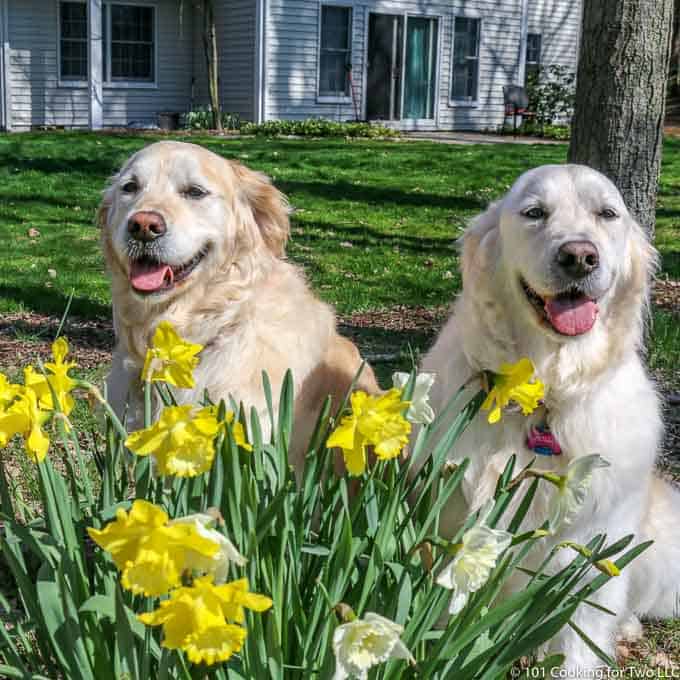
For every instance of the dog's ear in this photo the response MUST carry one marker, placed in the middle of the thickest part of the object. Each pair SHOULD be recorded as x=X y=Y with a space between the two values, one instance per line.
x=479 y=243
x=644 y=260
x=269 y=207
x=106 y=203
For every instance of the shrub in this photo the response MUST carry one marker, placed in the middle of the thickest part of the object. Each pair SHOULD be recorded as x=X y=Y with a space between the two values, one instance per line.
x=202 y=119
x=317 y=127
x=320 y=551
x=551 y=95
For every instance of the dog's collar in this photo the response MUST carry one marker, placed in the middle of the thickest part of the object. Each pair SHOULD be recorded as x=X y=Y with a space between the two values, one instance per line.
x=542 y=441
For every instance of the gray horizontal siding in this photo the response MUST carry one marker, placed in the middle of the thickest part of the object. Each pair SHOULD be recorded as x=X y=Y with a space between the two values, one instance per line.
x=236 y=34
x=292 y=54
x=37 y=98
x=559 y=24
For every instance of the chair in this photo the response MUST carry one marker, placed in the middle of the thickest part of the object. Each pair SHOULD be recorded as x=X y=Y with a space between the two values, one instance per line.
x=516 y=103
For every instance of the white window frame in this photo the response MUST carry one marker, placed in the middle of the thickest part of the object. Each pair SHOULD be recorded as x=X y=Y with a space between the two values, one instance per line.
x=466 y=103
x=339 y=98
x=71 y=82
x=107 y=82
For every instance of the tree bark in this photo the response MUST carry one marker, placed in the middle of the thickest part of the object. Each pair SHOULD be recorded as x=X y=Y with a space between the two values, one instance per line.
x=212 y=61
x=620 y=97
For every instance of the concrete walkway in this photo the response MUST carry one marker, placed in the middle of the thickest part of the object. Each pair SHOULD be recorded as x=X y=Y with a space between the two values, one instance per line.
x=473 y=138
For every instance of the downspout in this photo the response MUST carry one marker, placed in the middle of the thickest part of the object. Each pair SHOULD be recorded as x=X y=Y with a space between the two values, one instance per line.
x=5 y=81
x=260 y=98
x=524 y=30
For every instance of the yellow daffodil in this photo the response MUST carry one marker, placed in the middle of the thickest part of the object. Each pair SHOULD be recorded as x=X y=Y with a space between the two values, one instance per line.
x=237 y=429
x=151 y=553
x=25 y=417
x=513 y=382
x=56 y=379
x=181 y=441
x=8 y=391
x=199 y=619
x=475 y=558
x=124 y=536
x=363 y=643
x=571 y=490
x=170 y=359
x=375 y=421
x=235 y=598
x=420 y=410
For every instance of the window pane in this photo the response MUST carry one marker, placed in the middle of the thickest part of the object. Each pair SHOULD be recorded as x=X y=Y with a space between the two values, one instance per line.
x=333 y=78
x=132 y=43
x=335 y=23
x=130 y=23
x=131 y=62
x=73 y=40
x=465 y=59
x=533 y=48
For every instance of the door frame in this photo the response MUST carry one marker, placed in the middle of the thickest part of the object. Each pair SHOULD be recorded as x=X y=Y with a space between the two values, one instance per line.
x=405 y=123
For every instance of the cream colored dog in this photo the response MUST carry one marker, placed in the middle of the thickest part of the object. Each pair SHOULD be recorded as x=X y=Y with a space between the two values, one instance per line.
x=197 y=240
x=558 y=271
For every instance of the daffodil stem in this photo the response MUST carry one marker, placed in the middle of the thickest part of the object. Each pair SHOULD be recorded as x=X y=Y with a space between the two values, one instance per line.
x=99 y=398
x=147 y=404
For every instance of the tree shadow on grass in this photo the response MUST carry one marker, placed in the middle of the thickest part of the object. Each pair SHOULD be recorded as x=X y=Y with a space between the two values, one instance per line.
x=51 y=301
x=360 y=235
x=340 y=190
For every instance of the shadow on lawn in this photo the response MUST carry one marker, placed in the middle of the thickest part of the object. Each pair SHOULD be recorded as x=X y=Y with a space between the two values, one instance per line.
x=364 y=236
x=340 y=190
x=51 y=301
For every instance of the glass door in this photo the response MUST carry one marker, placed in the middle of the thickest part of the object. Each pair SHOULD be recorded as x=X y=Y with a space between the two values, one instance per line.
x=420 y=70
x=383 y=87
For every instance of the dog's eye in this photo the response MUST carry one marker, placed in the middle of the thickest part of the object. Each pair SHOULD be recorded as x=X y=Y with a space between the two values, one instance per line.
x=534 y=213
x=608 y=214
x=130 y=187
x=194 y=191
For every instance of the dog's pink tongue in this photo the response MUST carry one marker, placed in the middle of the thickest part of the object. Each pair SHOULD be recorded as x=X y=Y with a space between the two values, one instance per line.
x=149 y=277
x=571 y=316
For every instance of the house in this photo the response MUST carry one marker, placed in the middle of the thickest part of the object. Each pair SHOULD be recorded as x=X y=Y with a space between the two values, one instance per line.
x=415 y=64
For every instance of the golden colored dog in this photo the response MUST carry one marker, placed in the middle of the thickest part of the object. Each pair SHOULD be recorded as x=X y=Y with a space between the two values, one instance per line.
x=199 y=241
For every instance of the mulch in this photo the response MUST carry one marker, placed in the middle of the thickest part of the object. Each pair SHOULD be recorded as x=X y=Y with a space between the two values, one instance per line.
x=27 y=336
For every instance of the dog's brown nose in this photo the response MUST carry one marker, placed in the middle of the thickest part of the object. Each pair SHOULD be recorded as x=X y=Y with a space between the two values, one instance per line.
x=146 y=225
x=577 y=259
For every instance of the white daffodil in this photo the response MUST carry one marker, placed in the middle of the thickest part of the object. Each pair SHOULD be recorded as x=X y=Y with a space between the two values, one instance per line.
x=363 y=643
x=420 y=410
x=571 y=490
x=477 y=555
x=218 y=564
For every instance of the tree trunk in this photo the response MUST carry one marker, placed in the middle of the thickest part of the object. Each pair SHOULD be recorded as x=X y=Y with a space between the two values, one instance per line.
x=620 y=97
x=210 y=49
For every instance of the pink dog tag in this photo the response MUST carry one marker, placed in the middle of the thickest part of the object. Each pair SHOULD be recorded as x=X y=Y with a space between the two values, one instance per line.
x=542 y=441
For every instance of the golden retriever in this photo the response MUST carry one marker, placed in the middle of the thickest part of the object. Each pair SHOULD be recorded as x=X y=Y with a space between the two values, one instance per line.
x=558 y=271
x=197 y=240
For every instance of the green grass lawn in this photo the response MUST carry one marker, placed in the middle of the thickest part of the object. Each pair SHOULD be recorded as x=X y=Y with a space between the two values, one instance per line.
x=374 y=226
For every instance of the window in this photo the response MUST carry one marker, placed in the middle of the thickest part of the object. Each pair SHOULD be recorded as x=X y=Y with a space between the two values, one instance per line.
x=73 y=40
x=128 y=42
x=465 y=60
x=533 y=61
x=335 y=53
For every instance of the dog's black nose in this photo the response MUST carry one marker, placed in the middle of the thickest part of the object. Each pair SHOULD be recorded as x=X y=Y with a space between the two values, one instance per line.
x=146 y=225
x=577 y=259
